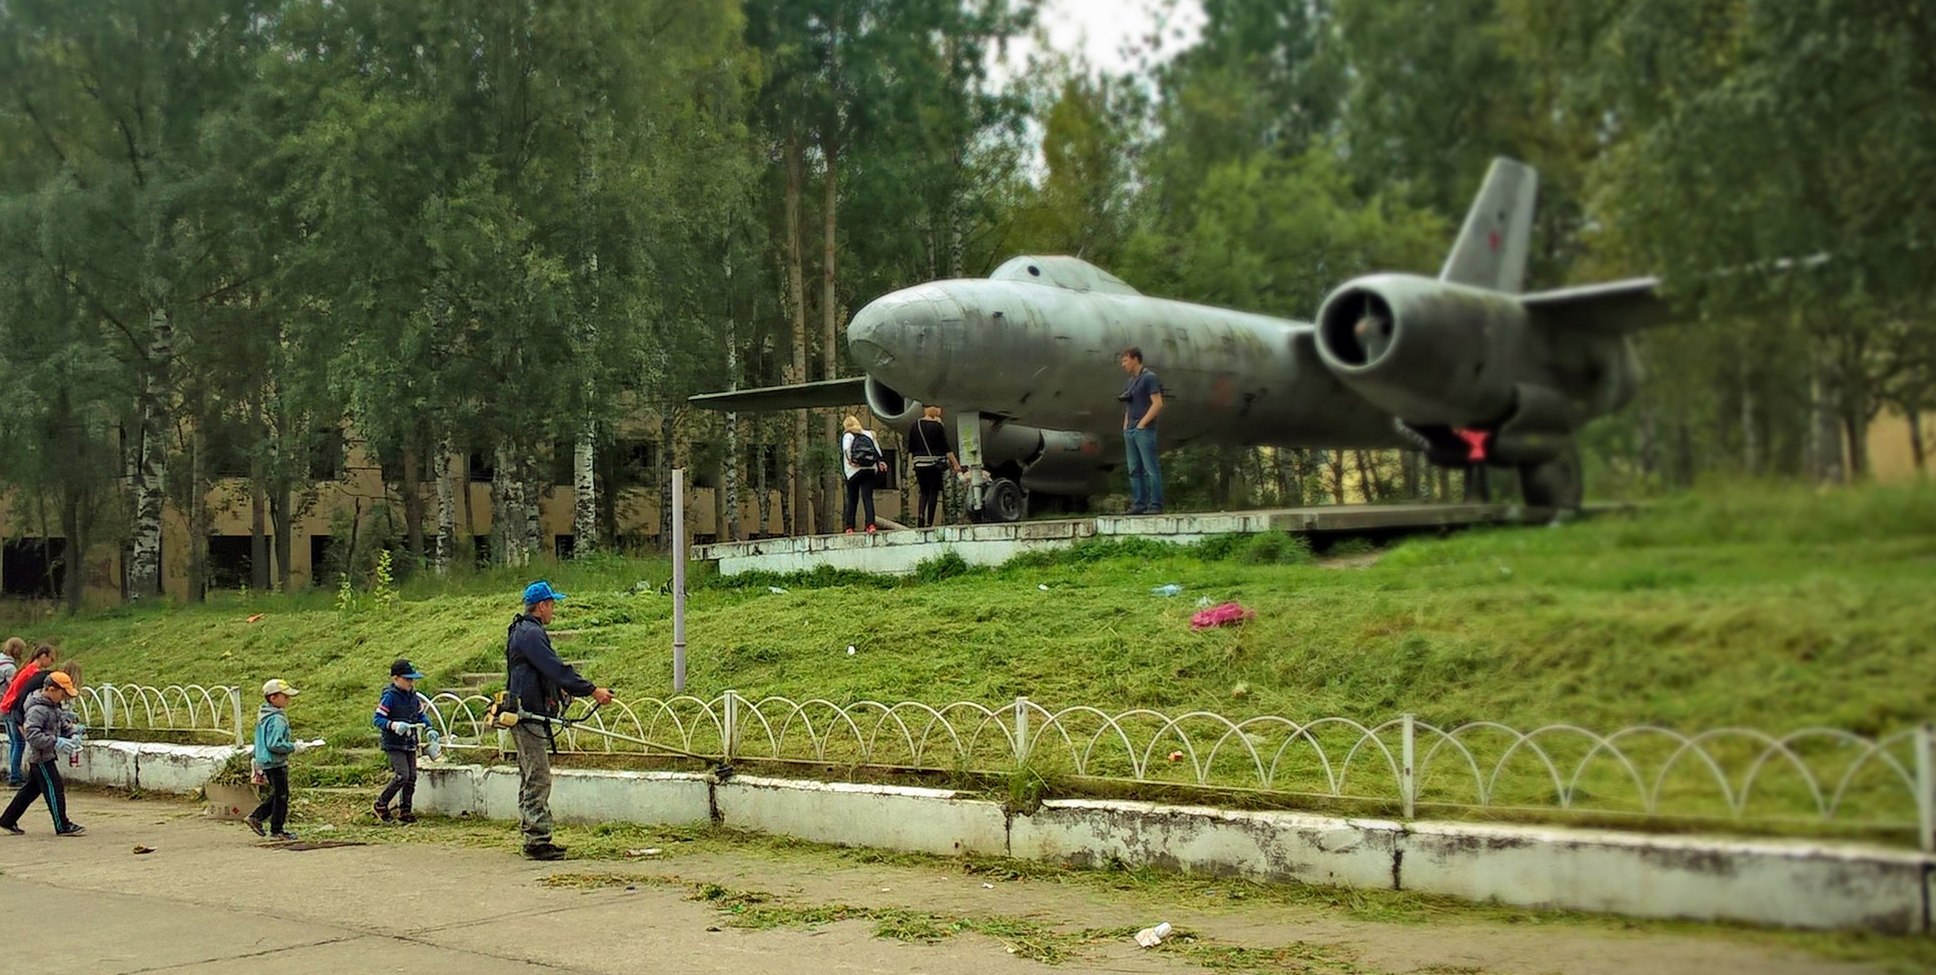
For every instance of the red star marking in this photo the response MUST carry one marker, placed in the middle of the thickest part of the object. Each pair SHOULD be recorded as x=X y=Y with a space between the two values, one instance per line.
x=1492 y=239
x=1475 y=441
x=1221 y=392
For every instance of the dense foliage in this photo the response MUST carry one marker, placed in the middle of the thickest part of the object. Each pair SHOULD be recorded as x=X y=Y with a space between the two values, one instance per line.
x=230 y=229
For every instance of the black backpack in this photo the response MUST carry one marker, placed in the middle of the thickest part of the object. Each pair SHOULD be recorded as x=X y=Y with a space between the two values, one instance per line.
x=862 y=453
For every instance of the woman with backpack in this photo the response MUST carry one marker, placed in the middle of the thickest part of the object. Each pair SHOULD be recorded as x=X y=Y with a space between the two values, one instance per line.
x=9 y=665
x=860 y=458
x=928 y=445
x=28 y=679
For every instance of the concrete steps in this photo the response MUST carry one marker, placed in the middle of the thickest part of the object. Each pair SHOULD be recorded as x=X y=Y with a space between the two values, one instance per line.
x=475 y=682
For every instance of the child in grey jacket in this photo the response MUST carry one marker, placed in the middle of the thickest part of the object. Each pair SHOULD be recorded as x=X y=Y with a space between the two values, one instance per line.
x=48 y=732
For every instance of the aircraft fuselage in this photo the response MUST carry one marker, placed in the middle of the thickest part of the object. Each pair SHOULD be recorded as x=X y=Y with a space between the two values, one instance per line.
x=1047 y=355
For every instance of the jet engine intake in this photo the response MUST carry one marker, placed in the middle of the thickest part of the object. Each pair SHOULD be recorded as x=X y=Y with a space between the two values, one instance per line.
x=1428 y=352
x=894 y=410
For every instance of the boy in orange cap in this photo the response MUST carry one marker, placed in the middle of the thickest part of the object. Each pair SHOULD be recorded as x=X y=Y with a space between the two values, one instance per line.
x=49 y=731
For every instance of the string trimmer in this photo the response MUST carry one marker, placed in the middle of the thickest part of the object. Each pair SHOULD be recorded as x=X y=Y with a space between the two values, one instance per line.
x=503 y=716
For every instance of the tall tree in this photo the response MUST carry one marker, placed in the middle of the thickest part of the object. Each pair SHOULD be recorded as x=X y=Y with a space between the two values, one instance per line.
x=115 y=96
x=1748 y=137
x=65 y=396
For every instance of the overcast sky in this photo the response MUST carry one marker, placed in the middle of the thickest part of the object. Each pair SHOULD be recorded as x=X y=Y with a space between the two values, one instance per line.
x=1112 y=35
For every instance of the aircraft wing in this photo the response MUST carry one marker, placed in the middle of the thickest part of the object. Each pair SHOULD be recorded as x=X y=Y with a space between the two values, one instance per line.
x=1623 y=306
x=827 y=392
x=1615 y=306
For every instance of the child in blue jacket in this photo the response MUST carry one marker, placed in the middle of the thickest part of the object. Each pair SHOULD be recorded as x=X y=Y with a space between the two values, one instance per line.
x=273 y=746
x=400 y=718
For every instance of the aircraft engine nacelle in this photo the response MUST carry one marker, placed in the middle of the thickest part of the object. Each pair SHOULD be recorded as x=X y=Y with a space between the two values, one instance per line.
x=896 y=412
x=1069 y=463
x=1540 y=428
x=1428 y=352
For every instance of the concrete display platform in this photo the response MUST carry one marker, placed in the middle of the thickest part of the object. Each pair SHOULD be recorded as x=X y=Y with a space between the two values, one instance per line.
x=898 y=552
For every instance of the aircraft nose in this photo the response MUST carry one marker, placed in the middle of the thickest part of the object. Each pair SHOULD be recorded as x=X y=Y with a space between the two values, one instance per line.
x=898 y=337
x=873 y=334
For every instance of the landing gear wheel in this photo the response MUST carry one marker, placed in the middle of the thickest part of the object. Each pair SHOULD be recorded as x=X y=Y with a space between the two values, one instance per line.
x=1478 y=484
x=1004 y=502
x=1555 y=484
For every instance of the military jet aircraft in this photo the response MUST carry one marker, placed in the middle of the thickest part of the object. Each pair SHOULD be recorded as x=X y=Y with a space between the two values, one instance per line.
x=1464 y=366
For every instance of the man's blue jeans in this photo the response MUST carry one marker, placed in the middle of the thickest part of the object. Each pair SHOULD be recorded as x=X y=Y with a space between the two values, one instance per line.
x=15 y=748
x=1145 y=477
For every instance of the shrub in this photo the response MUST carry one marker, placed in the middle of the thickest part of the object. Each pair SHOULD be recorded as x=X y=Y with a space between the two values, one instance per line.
x=947 y=565
x=1274 y=548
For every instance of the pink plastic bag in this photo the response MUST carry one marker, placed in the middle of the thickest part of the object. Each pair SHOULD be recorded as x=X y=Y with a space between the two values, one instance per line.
x=1223 y=615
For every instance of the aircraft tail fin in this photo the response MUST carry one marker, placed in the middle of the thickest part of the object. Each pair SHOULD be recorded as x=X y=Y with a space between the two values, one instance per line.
x=1492 y=246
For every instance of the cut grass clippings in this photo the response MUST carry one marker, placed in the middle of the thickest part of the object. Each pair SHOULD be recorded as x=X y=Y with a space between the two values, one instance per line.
x=346 y=817
x=1031 y=939
x=1034 y=940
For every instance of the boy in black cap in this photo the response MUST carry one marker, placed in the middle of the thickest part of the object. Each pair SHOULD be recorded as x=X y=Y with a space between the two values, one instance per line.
x=400 y=717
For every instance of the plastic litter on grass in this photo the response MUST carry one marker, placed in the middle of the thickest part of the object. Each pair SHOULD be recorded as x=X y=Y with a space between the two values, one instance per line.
x=1227 y=614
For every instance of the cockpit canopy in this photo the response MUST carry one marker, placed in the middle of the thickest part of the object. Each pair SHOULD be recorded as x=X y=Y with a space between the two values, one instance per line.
x=1069 y=273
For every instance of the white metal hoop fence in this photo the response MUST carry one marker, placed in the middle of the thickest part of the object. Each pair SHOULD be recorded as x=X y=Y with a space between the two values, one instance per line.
x=215 y=709
x=1808 y=777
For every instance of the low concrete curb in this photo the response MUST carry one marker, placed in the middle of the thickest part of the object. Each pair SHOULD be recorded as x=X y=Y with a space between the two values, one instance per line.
x=1802 y=885
x=934 y=821
x=1791 y=884
x=1275 y=846
x=150 y=766
x=1805 y=885
x=577 y=795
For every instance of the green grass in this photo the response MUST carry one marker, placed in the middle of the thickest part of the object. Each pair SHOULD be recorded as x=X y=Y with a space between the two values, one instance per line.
x=1755 y=606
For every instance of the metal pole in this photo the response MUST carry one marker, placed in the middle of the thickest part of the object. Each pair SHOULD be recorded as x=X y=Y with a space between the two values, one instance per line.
x=1926 y=785
x=1021 y=732
x=678 y=580
x=1408 y=780
x=235 y=705
x=731 y=735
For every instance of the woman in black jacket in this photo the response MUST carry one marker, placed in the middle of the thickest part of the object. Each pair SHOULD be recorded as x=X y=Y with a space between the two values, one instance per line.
x=933 y=456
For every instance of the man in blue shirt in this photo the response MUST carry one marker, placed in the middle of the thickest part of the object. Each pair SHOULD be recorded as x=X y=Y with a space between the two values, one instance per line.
x=1142 y=401
x=538 y=683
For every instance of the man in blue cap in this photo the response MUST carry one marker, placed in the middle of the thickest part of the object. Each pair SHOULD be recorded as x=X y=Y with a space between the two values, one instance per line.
x=537 y=682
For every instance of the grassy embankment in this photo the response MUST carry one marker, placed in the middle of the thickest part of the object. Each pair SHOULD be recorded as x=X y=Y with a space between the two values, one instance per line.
x=1765 y=608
